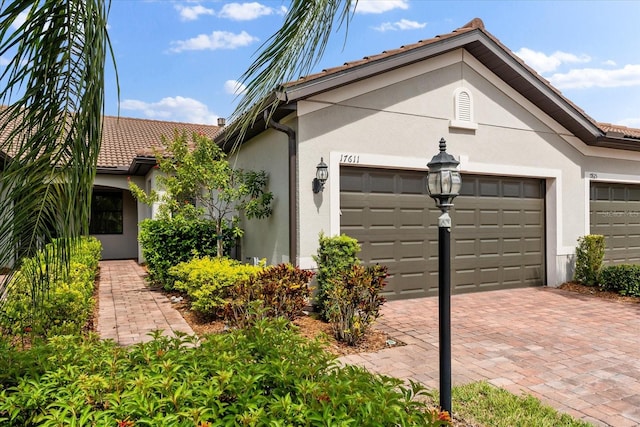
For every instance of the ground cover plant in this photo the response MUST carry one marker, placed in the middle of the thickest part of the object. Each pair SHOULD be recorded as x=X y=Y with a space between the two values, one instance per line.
x=259 y=376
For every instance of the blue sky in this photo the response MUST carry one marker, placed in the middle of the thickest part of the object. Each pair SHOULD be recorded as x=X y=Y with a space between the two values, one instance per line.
x=179 y=60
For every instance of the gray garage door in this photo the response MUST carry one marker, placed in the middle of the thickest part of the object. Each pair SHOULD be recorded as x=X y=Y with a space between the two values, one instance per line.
x=615 y=213
x=497 y=236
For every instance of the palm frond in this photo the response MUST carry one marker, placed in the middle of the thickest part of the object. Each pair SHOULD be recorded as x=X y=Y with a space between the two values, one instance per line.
x=50 y=129
x=289 y=53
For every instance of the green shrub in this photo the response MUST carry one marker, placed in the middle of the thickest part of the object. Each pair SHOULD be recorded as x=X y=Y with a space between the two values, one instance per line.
x=623 y=279
x=335 y=256
x=589 y=257
x=207 y=281
x=66 y=306
x=354 y=301
x=166 y=243
x=263 y=376
x=277 y=291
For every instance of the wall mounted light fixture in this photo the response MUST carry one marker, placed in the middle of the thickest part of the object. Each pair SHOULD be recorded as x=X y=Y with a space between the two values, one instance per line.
x=322 y=174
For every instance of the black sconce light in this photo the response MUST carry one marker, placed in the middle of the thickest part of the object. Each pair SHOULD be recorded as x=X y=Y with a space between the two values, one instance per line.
x=322 y=174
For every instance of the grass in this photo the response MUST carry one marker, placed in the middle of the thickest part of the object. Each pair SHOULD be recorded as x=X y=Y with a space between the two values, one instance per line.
x=482 y=404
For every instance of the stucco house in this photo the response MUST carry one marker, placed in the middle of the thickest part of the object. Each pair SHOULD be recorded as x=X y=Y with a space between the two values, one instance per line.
x=538 y=172
x=126 y=154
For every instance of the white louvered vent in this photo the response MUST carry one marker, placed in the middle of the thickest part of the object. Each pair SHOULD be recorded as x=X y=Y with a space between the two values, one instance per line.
x=463 y=110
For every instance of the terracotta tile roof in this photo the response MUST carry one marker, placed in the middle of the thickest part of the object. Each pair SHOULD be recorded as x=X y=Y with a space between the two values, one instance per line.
x=473 y=25
x=619 y=131
x=125 y=138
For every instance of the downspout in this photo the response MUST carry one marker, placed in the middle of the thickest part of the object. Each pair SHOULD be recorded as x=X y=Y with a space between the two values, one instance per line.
x=293 y=196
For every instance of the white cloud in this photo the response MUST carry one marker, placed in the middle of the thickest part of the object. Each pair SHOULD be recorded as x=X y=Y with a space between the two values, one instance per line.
x=4 y=61
x=234 y=87
x=248 y=11
x=544 y=63
x=177 y=108
x=610 y=62
x=214 y=41
x=380 y=6
x=584 y=78
x=191 y=13
x=22 y=17
x=632 y=123
x=403 y=24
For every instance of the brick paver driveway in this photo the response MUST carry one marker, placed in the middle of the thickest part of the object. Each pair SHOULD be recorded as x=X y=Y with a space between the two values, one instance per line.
x=578 y=354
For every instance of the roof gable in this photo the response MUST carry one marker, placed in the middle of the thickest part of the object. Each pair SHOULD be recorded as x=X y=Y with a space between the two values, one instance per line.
x=489 y=51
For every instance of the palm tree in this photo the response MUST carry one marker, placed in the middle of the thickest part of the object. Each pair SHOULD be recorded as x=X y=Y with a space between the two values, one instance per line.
x=51 y=122
x=289 y=53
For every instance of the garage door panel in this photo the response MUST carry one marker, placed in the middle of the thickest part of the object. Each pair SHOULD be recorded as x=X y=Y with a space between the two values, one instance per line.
x=615 y=213
x=497 y=232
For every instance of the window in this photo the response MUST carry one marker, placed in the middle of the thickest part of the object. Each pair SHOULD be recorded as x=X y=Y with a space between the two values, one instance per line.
x=106 y=213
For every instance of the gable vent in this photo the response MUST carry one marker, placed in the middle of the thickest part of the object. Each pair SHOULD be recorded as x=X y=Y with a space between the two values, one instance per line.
x=463 y=110
x=464 y=107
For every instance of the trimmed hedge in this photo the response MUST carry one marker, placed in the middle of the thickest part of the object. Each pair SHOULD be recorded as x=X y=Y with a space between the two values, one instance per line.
x=336 y=255
x=623 y=279
x=166 y=243
x=589 y=257
x=66 y=305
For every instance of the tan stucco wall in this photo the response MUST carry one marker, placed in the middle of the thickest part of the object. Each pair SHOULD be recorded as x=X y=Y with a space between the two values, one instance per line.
x=396 y=120
x=268 y=238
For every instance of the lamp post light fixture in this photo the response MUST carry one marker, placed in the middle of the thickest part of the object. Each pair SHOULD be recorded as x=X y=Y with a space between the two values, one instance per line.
x=322 y=174
x=444 y=184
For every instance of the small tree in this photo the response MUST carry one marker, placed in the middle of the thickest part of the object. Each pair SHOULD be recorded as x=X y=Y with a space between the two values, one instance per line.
x=199 y=181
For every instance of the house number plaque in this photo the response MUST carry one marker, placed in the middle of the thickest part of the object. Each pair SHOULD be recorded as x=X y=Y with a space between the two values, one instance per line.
x=352 y=159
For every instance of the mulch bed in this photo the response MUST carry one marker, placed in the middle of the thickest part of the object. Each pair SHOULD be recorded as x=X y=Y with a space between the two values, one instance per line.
x=310 y=326
x=596 y=292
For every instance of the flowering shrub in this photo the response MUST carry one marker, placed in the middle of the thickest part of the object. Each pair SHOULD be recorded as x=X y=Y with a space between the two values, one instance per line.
x=354 y=301
x=266 y=375
x=207 y=281
x=277 y=291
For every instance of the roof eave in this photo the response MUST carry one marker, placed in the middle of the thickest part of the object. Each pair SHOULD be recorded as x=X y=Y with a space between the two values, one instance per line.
x=141 y=165
x=619 y=143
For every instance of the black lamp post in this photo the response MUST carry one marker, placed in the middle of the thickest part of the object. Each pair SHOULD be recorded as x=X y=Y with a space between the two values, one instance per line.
x=444 y=184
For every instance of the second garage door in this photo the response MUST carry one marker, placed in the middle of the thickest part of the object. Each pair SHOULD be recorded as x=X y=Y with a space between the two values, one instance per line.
x=615 y=213
x=497 y=235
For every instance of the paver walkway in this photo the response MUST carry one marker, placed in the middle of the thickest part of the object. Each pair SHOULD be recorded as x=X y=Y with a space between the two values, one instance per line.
x=578 y=354
x=128 y=310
